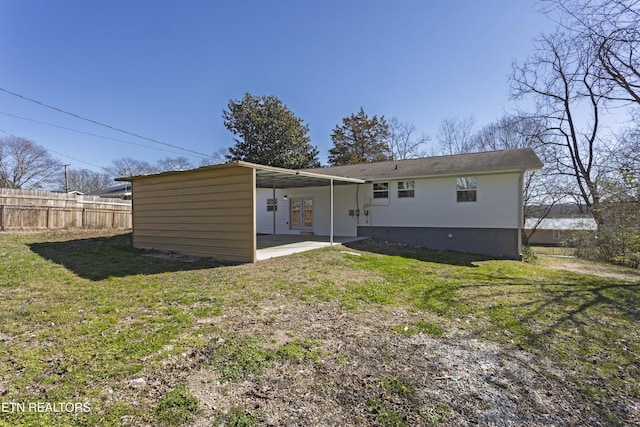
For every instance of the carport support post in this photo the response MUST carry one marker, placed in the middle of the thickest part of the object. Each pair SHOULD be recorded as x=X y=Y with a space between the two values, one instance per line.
x=274 y=207
x=331 y=222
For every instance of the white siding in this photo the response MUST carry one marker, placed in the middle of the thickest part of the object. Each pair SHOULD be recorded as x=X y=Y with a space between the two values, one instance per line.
x=344 y=199
x=435 y=205
x=264 y=219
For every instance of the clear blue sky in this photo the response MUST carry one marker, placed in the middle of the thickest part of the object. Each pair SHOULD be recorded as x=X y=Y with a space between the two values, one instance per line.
x=167 y=69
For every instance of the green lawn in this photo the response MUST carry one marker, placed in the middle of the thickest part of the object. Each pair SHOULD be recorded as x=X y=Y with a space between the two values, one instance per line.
x=83 y=317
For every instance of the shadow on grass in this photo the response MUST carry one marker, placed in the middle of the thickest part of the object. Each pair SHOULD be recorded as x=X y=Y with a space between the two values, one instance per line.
x=103 y=257
x=459 y=259
x=586 y=325
x=619 y=298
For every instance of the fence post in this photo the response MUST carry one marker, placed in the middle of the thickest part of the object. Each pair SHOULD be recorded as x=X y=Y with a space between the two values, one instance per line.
x=2 y=217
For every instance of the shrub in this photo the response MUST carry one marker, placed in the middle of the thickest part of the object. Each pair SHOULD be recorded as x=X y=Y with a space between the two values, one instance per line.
x=617 y=239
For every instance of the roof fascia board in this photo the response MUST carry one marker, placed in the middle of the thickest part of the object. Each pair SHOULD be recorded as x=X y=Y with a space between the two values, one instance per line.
x=447 y=175
x=302 y=173
x=175 y=172
x=255 y=166
x=333 y=177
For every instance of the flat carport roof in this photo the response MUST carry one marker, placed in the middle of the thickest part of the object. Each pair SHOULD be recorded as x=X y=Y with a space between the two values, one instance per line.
x=272 y=177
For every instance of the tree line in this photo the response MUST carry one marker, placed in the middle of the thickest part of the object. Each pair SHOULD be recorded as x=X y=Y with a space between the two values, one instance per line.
x=24 y=164
x=265 y=131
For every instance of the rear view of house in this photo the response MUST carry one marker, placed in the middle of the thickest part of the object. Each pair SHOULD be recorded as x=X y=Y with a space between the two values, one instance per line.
x=468 y=203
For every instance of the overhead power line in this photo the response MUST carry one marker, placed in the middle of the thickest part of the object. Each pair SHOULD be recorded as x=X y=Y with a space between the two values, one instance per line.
x=91 y=134
x=78 y=160
x=100 y=123
x=62 y=154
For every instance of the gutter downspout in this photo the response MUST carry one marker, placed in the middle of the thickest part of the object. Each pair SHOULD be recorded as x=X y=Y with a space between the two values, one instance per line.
x=520 y=212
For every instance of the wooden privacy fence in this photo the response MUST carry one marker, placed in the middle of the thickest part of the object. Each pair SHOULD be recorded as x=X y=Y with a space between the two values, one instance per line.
x=42 y=210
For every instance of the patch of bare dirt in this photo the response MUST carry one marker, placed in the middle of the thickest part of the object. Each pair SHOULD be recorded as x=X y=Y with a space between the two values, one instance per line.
x=448 y=381
x=591 y=267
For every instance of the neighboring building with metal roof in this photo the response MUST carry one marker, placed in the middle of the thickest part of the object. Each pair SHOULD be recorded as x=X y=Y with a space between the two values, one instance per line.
x=468 y=202
x=122 y=191
x=555 y=231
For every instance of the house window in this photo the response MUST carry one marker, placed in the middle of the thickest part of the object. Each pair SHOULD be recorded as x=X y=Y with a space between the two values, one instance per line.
x=406 y=188
x=556 y=234
x=272 y=205
x=380 y=190
x=466 y=189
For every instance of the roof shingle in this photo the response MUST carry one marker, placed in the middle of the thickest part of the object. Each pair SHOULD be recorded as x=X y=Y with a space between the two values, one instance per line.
x=486 y=162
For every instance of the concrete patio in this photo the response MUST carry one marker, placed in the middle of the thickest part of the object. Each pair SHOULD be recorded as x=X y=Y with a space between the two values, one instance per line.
x=270 y=246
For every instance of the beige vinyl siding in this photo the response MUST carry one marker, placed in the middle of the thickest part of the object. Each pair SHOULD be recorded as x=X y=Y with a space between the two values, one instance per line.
x=201 y=212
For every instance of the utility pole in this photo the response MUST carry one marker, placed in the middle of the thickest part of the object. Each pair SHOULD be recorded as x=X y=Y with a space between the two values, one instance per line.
x=66 y=179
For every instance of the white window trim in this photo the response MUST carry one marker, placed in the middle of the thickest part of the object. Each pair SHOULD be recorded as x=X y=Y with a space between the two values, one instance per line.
x=467 y=190
x=411 y=188
x=380 y=191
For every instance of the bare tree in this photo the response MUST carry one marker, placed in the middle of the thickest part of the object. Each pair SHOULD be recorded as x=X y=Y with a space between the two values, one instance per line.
x=562 y=76
x=402 y=142
x=217 y=157
x=612 y=27
x=130 y=167
x=628 y=151
x=542 y=189
x=510 y=132
x=25 y=164
x=87 y=181
x=455 y=135
x=173 y=163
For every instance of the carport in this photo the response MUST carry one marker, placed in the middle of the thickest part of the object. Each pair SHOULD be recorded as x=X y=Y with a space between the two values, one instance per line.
x=278 y=178
x=211 y=211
